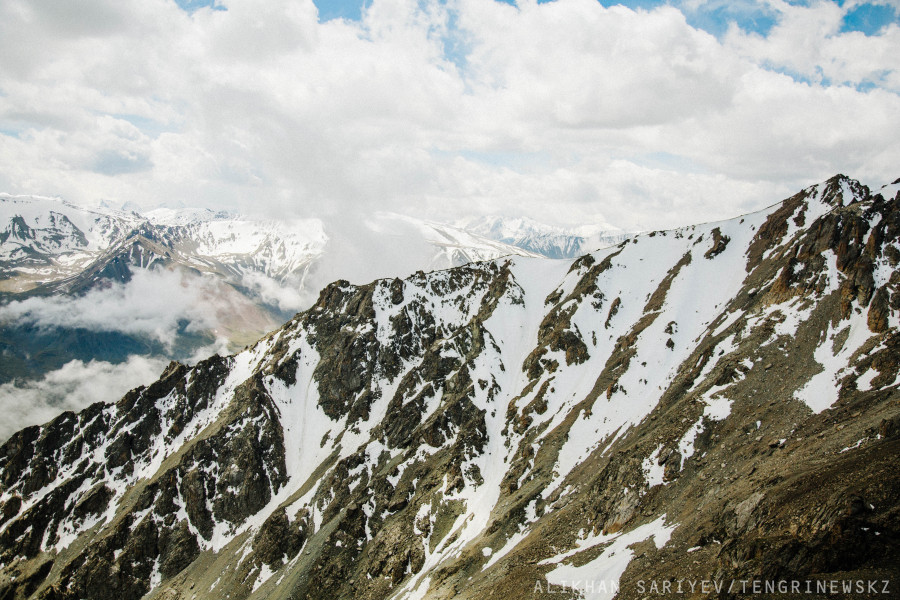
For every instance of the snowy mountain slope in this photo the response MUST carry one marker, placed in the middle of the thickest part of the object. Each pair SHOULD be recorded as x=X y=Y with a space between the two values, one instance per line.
x=457 y=246
x=277 y=249
x=46 y=238
x=717 y=402
x=546 y=240
x=67 y=240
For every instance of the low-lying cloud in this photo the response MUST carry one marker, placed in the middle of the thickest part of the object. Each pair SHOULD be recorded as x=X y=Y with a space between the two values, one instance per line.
x=163 y=304
x=153 y=304
x=73 y=387
x=156 y=305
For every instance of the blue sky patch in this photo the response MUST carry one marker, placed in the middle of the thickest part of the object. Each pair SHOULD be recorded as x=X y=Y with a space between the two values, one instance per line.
x=455 y=47
x=114 y=162
x=192 y=5
x=633 y=4
x=340 y=9
x=869 y=18
x=715 y=17
x=669 y=162
x=13 y=132
x=712 y=16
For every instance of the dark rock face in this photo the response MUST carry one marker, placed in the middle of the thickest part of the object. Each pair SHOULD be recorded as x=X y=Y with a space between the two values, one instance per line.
x=719 y=243
x=556 y=333
x=494 y=429
x=278 y=540
x=227 y=475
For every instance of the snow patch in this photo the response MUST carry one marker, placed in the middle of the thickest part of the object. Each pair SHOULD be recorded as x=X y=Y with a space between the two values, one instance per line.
x=653 y=471
x=600 y=577
x=821 y=391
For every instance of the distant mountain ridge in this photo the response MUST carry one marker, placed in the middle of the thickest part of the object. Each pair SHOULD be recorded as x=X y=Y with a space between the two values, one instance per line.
x=47 y=241
x=43 y=239
x=714 y=403
x=546 y=240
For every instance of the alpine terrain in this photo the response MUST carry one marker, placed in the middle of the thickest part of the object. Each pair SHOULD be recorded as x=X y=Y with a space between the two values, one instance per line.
x=714 y=403
x=252 y=274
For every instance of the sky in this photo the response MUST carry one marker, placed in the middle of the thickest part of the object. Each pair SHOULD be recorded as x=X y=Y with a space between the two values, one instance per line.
x=640 y=115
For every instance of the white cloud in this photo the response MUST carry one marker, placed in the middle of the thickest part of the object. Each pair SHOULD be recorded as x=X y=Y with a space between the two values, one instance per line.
x=155 y=304
x=151 y=305
x=807 y=41
x=439 y=109
x=566 y=111
x=74 y=386
x=579 y=65
x=290 y=295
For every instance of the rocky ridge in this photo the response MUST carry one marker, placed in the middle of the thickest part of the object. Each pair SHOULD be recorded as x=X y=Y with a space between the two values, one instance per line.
x=717 y=402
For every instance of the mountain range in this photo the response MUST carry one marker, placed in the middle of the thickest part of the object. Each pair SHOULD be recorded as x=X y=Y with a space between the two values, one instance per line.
x=48 y=245
x=716 y=403
x=193 y=280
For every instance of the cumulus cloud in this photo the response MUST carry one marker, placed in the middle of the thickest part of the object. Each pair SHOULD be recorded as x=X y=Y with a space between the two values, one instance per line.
x=808 y=41
x=442 y=109
x=73 y=387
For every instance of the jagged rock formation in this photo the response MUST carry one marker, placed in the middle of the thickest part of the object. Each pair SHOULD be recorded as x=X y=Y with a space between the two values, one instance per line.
x=714 y=402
